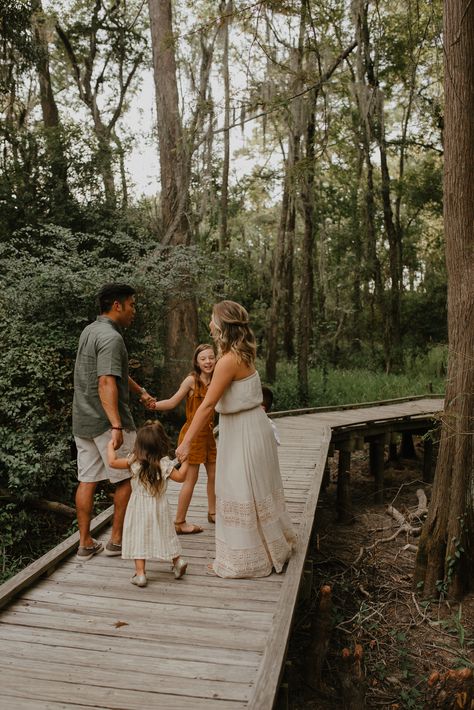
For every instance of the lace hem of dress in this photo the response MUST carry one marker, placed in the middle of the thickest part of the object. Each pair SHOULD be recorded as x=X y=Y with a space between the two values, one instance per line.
x=247 y=514
x=256 y=561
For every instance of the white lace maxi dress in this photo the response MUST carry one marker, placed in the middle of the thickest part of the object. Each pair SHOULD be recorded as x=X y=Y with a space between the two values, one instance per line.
x=253 y=529
x=148 y=530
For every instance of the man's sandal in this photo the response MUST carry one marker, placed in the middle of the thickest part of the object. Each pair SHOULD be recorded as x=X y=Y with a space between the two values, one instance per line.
x=178 y=526
x=211 y=518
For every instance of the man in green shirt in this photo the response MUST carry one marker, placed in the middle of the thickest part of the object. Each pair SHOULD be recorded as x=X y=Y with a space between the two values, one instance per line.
x=101 y=412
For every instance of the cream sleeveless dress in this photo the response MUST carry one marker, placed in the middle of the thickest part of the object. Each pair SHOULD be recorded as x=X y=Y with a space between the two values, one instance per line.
x=253 y=529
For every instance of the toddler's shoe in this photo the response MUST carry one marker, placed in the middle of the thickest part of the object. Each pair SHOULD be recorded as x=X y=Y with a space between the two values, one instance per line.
x=139 y=580
x=179 y=567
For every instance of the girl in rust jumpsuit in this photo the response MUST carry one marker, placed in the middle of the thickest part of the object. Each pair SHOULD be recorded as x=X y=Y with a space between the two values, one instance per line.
x=203 y=449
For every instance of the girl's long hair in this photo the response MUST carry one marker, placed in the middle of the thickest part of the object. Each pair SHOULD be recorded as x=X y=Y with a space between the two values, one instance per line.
x=151 y=445
x=233 y=333
x=196 y=371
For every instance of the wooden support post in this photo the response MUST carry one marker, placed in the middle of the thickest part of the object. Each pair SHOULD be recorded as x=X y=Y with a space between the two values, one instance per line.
x=407 y=449
x=428 y=459
x=376 y=461
x=283 y=698
x=326 y=476
x=344 y=496
x=307 y=581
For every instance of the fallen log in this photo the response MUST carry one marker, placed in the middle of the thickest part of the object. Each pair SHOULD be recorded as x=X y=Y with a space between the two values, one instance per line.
x=52 y=506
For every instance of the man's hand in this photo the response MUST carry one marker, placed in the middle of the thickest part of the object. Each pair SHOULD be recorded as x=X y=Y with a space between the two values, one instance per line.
x=117 y=438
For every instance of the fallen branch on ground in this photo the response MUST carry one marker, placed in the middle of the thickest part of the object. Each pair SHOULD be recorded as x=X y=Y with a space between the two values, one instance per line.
x=41 y=504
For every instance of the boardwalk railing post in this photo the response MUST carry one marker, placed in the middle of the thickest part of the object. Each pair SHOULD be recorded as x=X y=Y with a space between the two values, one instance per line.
x=344 y=496
x=326 y=475
x=376 y=463
x=407 y=449
x=428 y=459
x=307 y=581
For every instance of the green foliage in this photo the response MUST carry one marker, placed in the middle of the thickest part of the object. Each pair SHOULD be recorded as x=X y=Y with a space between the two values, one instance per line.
x=50 y=278
x=331 y=386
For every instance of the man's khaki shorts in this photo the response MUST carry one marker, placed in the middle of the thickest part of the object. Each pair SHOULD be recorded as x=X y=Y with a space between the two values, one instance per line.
x=92 y=465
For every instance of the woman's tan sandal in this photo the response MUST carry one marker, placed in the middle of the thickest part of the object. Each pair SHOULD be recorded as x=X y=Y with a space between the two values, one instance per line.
x=192 y=529
x=211 y=518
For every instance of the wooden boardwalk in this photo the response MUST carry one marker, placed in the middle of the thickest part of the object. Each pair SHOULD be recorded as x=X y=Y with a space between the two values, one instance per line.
x=84 y=637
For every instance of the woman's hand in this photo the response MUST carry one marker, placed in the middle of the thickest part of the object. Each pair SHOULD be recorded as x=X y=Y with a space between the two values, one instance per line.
x=182 y=452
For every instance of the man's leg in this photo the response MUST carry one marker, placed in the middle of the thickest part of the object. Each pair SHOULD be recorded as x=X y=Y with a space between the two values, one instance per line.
x=84 y=505
x=121 y=497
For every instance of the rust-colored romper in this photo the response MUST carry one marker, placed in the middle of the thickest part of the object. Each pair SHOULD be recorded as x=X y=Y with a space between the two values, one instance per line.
x=203 y=448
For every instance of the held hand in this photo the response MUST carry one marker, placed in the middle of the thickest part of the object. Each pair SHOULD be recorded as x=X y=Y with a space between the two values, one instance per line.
x=146 y=398
x=182 y=452
x=150 y=404
x=117 y=438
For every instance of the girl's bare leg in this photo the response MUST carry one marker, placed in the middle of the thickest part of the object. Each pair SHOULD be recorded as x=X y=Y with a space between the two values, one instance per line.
x=185 y=495
x=211 y=488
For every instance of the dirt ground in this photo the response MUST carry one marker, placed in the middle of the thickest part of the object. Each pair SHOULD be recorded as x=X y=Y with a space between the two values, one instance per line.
x=394 y=640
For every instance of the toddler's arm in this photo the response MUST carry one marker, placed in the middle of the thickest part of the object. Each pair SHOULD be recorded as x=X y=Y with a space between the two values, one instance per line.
x=165 y=404
x=179 y=474
x=113 y=461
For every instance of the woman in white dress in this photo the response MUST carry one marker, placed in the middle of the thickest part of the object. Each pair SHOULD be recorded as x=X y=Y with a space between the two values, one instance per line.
x=254 y=533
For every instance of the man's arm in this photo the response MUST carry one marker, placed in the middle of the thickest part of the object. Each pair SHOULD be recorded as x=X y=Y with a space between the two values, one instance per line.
x=108 y=394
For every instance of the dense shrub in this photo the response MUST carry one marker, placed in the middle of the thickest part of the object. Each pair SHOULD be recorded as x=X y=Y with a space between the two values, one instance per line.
x=50 y=280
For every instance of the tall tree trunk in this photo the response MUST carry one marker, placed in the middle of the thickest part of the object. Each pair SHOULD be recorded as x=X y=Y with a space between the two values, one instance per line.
x=306 y=301
x=364 y=83
x=59 y=189
x=288 y=281
x=392 y=325
x=226 y=9
x=105 y=160
x=182 y=329
x=277 y=287
x=445 y=558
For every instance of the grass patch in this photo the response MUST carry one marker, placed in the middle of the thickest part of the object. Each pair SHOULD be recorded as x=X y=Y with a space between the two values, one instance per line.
x=329 y=387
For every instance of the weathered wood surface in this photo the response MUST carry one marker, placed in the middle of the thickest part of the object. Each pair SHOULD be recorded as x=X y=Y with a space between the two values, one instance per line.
x=85 y=637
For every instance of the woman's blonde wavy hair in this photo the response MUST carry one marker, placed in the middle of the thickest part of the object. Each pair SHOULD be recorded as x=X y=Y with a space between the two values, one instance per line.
x=233 y=333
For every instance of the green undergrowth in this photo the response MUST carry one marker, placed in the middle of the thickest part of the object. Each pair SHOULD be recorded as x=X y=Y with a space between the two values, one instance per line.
x=330 y=386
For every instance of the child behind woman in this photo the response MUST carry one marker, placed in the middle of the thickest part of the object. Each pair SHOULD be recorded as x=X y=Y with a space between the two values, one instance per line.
x=148 y=530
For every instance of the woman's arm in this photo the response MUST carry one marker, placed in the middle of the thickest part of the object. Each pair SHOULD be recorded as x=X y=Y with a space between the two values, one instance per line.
x=186 y=385
x=225 y=371
x=113 y=461
x=141 y=392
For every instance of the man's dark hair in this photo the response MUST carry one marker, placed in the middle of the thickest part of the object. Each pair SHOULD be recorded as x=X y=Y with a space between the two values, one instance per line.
x=267 y=398
x=109 y=293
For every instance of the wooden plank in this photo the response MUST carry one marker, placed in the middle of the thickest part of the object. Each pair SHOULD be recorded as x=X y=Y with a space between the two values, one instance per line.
x=121 y=678
x=81 y=621
x=117 y=658
x=16 y=703
x=159 y=611
x=105 y=698
x=149 y=648
x=226 y=599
